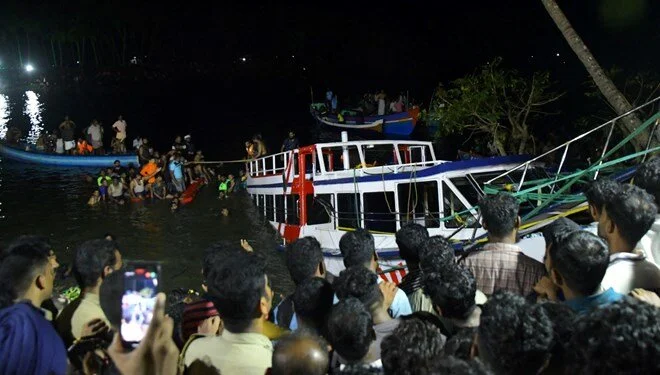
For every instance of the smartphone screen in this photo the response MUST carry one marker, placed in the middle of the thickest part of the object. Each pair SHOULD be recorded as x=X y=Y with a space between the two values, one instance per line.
x=141 y=281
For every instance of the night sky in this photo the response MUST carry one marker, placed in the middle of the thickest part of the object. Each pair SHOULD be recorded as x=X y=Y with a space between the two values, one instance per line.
x=367 y=46
x=416 y=46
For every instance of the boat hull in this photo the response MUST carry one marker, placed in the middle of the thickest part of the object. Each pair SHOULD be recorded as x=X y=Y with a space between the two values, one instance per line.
x=64 y=160
x=395 y=124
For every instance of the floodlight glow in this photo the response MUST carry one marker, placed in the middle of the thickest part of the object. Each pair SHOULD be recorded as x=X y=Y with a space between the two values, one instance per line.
x=243 y=59
x=29 y=68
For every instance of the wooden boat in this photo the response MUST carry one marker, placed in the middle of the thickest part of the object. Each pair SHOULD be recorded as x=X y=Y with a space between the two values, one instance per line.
x=42 y=158
x=394 y=124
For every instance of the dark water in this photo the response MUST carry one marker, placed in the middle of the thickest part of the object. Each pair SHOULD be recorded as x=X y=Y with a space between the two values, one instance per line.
x=52 y=201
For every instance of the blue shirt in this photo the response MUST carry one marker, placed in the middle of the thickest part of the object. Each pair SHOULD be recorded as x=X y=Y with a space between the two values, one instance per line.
x=584 y=305
x=176 y=169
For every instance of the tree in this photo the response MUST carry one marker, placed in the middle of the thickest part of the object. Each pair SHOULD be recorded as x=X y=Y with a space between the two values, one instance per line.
x=500 y=104
x=618 y=102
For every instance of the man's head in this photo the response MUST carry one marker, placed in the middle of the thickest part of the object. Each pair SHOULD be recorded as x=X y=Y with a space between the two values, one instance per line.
x=292 y=134
x=621 y=338
x=304 y=259
x=102 y=173
x=626 y=217
x=120 y=118
x=436 y=254
x=514 y=336
x=578 y=263
x=217 y=253
x=410 y=239
x=66 y=118
x=350 y=329
x=239 y=288
x=647 y=177
x=413 y=347
x=500 y=214
x=27 y=271
x=360 y=283
x=108 y=171
x=558 y=229
x=358 y=248
x=145 y=141
x=312 y=302
x=94 y=261
x=104 y=182
x=187 y=138
x=177 y=139
x=117 y=163
x=563 y=325
x=152 y=160
x=452 y=291
x=597 y=194
x=300 y=353
x=115 y=181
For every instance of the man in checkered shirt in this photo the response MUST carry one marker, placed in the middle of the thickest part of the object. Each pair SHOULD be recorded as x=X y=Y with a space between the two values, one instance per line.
x=501 y=265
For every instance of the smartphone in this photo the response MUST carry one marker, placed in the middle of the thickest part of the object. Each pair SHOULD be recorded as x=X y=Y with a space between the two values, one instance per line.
x=141 y=283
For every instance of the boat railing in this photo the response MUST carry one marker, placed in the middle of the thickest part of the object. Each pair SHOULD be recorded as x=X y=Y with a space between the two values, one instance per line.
x=272 y=164
x=564 y=148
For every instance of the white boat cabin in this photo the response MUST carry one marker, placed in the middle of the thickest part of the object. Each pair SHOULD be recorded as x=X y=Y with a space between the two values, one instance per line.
x=326 y=189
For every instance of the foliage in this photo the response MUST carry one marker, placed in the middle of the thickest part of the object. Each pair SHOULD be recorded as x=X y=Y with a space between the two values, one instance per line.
x=500 y=104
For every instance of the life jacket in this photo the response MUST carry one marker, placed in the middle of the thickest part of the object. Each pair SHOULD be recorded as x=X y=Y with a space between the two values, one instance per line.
x=222 y=186
x=99 y=180
x=84 y=148
x=149 y=170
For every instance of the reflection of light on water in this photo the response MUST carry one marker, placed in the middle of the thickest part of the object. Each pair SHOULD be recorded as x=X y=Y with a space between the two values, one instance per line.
x=33 y=111
x=4 y=115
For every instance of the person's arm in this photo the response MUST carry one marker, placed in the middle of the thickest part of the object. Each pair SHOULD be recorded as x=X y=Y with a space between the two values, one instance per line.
x=130 y=189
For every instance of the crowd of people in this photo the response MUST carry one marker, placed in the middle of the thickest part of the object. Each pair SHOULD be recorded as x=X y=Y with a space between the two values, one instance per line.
x=370 y=104
x=159 y=176
x=591 y=307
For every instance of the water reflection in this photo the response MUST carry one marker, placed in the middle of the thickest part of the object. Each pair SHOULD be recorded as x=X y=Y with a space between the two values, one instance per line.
x=4 y=115
x=33 y=109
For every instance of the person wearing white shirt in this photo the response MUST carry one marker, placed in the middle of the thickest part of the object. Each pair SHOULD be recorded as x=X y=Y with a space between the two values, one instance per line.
x=627 y=215
x=120 y=128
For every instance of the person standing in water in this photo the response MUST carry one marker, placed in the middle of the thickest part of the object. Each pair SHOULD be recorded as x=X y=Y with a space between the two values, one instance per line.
x=66 y=129
x=120 y=128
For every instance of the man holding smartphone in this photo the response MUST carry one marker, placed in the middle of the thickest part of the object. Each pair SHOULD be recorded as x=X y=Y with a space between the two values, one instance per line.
x=93 y=262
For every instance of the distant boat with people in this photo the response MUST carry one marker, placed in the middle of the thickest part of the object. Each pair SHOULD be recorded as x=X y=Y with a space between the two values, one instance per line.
x=16 y=153
x=393 y=124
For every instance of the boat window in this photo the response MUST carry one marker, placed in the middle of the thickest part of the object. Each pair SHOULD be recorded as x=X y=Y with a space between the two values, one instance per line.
x=254 y=199
x=325 y=158
x=419 y=203
x=279 y=208
x=319 y=208
x=375 y=155
x=467 y=189
x=348 y=210
x=292 y=216
x=452 y=206
x=261 y=204
x=379 y=212
x=418 y=154
x=270 y=209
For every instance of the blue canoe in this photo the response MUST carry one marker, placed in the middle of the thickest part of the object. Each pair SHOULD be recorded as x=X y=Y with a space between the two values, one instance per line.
x=36 y=157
